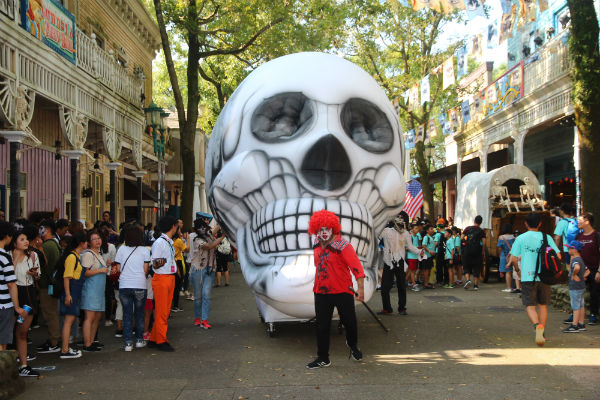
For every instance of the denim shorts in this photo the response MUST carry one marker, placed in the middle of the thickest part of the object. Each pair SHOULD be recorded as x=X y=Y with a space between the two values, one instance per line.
x=577 y=300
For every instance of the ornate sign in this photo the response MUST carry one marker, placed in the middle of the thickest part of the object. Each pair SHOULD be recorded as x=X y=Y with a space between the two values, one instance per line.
x=504 y=91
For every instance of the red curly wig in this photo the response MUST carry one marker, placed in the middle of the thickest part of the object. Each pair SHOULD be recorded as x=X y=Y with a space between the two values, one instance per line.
x=324 y=218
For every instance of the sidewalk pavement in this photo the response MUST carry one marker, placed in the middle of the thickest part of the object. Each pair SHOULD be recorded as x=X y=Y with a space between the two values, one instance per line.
x=453 y=344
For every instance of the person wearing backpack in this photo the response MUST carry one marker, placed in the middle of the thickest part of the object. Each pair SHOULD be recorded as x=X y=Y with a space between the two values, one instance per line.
x=591 y=257
x=72 y=286
x=473 y=253
x=441 y=275
x=49 y=303
x=223 y=255
x=535 y=293
x=565 y=225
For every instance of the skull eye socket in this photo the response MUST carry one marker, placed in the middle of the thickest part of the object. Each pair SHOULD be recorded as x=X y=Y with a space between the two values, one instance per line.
x=367 y=125
x=281 y=117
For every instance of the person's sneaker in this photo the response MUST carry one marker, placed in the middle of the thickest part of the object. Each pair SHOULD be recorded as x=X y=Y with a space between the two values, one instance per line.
x=119 y=334
x=581 y=327
x=448 y=286
x=30 y=357
x=318 y=363
x=146 y=336
x=197 y=322
x=29 y=341
x=71 y=354
x=165 y=346
x=384 y=312
x=540 y=340
x=35 y=326
x=181 y=293
x=90 y=349
x=378 y=288
x=429 y=287
x=467 y=284
x=216 y=286
x=571 y=329
x=227 y=284
x=355 y=353
x=569 y=321
x=507 y=290
x=475 y=287
x=205 y=324
x=151 y=344
x=402 y=312
x=98 y=344
x=593 y=320
x=516 y=291
x=47 y=348
x=128 y=347
x=108 y=323
x=26 y=371
x=190 y=297
x=140 y=343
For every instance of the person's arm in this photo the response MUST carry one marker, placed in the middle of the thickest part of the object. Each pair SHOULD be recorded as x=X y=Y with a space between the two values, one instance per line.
x=576 y=269
x=14 y=295
x=558 y=232
x=351 y=259
x=208 y=246
x=555 y=247
x=409 y=245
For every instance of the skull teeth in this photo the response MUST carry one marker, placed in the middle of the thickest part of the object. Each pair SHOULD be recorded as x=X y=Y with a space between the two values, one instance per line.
x=282 y=226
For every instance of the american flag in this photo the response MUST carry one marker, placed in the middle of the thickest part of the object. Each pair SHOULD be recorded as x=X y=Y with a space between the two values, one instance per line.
x=414 y=198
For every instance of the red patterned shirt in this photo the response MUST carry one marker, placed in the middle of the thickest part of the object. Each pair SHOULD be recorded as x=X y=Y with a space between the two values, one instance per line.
x=334 y=264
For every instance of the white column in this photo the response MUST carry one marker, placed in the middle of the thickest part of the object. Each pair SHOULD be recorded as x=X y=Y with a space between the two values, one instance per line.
x=519 y=143
x=196 y=204
x=483 y=161
x=577 y=164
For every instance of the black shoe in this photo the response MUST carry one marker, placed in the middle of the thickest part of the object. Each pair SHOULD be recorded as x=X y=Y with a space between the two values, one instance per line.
x=402 y=312
x=98 y=344
x=165 y=346
x=47 y=348
x=571 y=329
x=318 y=363
x=227 y=284
x=593 y=320
x=355 y=353
x=29 y=341
x=90 y=349
x=119 y=333
x=30 y=357
x=475 y=287
x=581 y=327
x=151 y=344
x=26 y=371
x=384 y=312
x=569 y=321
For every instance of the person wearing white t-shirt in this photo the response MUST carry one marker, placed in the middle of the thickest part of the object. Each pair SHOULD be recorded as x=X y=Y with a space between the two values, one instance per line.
x=163 y=282
x=133 y=259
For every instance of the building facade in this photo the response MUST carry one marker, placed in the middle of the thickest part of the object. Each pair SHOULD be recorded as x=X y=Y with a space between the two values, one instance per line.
x=75 y=76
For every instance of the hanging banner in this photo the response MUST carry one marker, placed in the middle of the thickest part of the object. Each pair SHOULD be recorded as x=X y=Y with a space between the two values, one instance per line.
x=451 y=5
x=425 y=90
x=420 y=133
x=461 y=64
x=454 y=119
x=477 y=108
x=465 y=109
x=543 y=5
x=446 y=129
x=474 y=9
x=506 y=6
x=52 y=24
x=413 y=101
x=448 y=76
x=431 y=130
x=410 y=139
x=492 y=35
x=530 y=10
x=522 y=14
x=476 y=49
x=507 y=24
x=406 y=96
x=504 y=91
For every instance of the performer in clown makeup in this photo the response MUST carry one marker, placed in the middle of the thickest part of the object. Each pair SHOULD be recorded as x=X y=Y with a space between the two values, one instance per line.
x=335 y=260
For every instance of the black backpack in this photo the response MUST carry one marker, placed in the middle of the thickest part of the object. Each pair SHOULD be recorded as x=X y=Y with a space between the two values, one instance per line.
x=56 y=280
x=441 y=247
x=549 y=268
x=472 y=241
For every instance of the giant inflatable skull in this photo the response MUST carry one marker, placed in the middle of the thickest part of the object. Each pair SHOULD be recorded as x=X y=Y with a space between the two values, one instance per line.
x=303 y=132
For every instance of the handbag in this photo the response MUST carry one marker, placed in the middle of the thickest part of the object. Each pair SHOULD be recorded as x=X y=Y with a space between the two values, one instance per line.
x=116 y=275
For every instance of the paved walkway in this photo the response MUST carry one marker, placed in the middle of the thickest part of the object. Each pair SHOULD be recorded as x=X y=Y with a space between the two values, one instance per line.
x=454 y=344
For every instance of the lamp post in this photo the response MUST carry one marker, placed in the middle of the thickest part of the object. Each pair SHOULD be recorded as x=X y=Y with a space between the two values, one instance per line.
x=155 y=126
x=429 y=151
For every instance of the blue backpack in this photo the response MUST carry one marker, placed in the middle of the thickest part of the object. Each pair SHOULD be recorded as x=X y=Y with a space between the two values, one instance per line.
x=572 y=231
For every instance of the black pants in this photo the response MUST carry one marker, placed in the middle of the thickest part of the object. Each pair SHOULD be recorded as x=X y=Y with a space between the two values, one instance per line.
x=441 y=273
x=324 y=304
x=387 y=279
x=594 y=288
x=175 y=302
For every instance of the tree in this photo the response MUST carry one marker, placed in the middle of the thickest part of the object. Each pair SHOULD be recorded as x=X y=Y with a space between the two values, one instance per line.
x=217 y=42
x=585 y=73
x=398 y=47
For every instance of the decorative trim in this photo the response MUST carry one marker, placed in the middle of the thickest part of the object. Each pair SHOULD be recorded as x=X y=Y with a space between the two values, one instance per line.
x=74 y=126
x=16 y=105
x=136 y=149
x=111 y=143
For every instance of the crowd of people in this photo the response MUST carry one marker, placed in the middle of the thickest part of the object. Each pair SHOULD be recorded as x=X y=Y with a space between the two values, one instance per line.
x=74 y=278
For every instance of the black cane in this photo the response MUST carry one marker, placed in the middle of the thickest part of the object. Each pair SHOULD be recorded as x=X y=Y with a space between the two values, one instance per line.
x=370 y=311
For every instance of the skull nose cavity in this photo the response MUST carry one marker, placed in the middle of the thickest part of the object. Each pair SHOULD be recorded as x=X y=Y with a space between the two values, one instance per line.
x=326 y=165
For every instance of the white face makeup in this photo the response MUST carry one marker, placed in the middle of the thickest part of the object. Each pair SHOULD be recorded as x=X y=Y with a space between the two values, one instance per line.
x=325 y=234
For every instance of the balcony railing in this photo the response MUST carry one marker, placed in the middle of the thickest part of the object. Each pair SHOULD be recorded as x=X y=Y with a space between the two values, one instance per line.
x=552 y=62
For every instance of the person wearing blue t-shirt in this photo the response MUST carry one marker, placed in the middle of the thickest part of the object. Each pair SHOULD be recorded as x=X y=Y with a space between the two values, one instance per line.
x=412 y=258
x=448 y=253
x=439 y=256
x=429 y=252
x=567 y=213
x=535 y=294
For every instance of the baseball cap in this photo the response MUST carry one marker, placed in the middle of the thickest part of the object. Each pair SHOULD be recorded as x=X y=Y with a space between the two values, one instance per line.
x=575 y=244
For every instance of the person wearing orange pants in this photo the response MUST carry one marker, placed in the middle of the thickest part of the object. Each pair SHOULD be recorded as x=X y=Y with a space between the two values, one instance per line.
x=163 y=282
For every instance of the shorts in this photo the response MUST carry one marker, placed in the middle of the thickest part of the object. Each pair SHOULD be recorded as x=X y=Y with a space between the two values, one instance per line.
x=426 y=264
x=413 y=264
x=28 y=296
x=577 y=300
x=222 y=262
x=534 y=293
x=7 y=324
x=472 y=265
x=149 y=304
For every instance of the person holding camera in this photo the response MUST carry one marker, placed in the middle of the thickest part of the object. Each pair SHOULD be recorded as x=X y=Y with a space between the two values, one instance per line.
x=202 y=273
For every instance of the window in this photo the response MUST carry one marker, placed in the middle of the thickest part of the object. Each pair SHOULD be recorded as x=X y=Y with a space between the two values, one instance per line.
x=562 y=18
x=95 y=201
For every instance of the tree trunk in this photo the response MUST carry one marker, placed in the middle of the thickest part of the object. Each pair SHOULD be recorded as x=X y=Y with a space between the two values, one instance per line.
x=188 y=160
x=583 y=48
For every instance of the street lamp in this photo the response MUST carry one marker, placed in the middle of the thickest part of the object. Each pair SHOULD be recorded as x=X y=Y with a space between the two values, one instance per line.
x=155 y=126
x=429 y=150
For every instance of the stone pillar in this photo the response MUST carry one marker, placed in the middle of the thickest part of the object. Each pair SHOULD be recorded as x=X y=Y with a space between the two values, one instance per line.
x=15 y=138
x=483 y=159
x=458 y=170
x=139 y=175
x=74 y=156
x=197 y=206
x=519 y=144
x=112 y=167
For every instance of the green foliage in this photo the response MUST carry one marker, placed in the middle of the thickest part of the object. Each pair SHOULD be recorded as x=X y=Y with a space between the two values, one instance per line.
x=499 y=71
x=472 y=64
